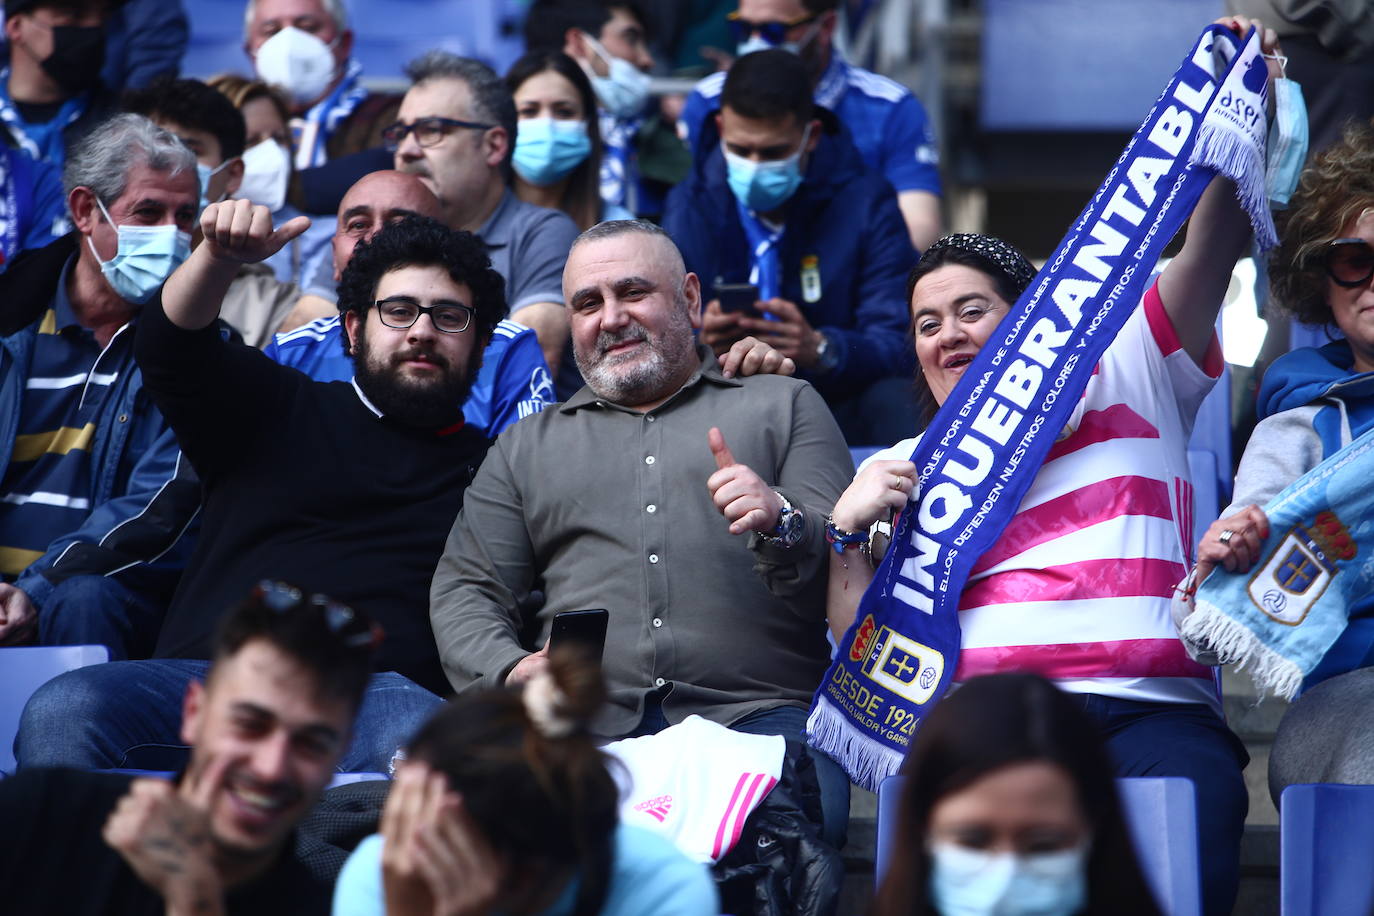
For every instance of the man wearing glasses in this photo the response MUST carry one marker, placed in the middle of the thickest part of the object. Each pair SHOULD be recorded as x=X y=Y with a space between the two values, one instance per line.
x=888 y=123
x=456 y=131
x=347 y=488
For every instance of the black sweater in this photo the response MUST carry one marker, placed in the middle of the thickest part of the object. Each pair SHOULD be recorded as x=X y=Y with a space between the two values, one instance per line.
x=303 y=483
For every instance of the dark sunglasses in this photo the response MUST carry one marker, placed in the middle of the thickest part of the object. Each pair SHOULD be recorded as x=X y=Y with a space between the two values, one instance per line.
x=775 y=33
x=1350 y=262
x=352 y=628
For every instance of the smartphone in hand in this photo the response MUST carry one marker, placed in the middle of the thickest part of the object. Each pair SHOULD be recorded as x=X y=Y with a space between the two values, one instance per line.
x=582 y=630
x=738 y=297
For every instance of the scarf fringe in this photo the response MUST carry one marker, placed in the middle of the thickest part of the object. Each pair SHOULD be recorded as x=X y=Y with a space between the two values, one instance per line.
x=867 y=761
x=1220 y=146
x=1234 y=644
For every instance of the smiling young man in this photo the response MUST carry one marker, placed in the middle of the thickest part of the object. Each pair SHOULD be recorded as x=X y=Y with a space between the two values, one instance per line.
x=267 y=727
x=346 y=488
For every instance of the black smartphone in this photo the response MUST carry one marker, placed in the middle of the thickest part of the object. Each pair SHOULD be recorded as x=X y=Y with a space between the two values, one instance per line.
x=737 y=297
x=584 y=630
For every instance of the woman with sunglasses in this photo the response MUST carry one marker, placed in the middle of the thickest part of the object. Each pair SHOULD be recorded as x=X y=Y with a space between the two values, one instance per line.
x=1313 y=400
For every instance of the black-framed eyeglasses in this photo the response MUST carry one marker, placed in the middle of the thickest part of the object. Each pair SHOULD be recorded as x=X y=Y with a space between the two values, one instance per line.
x=400 y=312
x=775 y=33
x=352 y=628
x=428 y=131
x=1350 y=262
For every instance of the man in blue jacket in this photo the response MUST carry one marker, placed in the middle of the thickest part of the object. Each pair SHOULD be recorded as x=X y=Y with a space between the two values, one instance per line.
x=91 y=482
x=780 y=200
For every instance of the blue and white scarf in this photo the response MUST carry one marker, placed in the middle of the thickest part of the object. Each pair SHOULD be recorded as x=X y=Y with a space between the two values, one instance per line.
x=41 y=141
x=1285 y=612
x=986 y=444
x=765 y=264
x=310 y=133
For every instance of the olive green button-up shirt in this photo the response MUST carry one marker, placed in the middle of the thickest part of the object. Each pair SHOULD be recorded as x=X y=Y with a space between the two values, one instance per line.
x=600 y=506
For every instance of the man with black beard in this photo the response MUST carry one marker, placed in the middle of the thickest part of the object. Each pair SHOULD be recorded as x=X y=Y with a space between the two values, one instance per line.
x=342 y=488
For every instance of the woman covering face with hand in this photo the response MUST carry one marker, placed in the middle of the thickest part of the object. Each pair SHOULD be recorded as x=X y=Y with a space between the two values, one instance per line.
x=505 y=805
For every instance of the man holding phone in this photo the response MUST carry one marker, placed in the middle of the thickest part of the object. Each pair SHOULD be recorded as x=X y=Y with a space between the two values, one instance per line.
x=801 y=245
x=687 y=502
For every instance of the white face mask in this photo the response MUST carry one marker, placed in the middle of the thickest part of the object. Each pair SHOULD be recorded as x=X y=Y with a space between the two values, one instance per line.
x=975 y=882
x=622 y=93
x=298 y=62
x=266 y=173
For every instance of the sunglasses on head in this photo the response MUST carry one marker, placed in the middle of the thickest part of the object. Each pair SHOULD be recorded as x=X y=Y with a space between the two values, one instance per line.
x=1350 y=262
x=352 y=628
x=775 y=33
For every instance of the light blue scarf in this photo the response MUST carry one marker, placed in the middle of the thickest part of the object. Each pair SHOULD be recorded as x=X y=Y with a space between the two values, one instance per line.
x=986 y=444
x=1284 y=613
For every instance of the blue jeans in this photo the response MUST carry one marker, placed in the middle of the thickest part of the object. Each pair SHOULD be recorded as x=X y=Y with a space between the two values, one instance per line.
x=100 y=611
x=1189 y=740
x=128 y=714
x=790 y=722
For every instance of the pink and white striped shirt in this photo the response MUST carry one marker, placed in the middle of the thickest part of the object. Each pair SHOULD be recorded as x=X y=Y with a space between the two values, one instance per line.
x=1078 y=586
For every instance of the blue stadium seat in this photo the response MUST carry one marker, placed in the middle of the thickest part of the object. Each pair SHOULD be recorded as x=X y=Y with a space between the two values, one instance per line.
x=1160 y=813
x=22 y=671
x=1326 y=845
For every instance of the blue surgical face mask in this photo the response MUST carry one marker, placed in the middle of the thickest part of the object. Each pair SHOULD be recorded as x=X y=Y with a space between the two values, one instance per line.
x=206 y=173
x=1287 y=142
x=146 y=257
x=625 y=90
x=975 y=882
x=548 y=149
x=765 y=186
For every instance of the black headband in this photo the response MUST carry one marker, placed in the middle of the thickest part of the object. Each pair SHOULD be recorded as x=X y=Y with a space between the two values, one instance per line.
x=999 y=255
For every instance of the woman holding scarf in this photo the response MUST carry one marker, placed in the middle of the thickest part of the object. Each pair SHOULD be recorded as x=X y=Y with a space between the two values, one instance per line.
x=1078 y=586
x=1313 y=402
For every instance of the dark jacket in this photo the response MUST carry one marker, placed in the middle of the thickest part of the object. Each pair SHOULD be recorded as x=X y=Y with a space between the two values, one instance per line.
x=143 y=494
x=846 y=217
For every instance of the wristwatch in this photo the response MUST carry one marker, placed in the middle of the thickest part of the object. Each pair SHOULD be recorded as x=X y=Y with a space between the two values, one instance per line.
x=827 y=356
x=791 y=523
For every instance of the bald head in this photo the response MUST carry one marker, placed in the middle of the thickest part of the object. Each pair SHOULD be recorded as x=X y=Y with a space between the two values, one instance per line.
x=376 y=200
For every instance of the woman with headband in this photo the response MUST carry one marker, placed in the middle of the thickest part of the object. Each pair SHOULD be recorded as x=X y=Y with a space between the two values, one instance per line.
x=505 y=804
x=1077 y=587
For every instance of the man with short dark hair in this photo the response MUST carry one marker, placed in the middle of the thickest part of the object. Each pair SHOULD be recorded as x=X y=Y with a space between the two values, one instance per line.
x=781 y=201
x=343 y=487
x=888 y=123
x=615 y=500
x=266 y=728
x=50 y=91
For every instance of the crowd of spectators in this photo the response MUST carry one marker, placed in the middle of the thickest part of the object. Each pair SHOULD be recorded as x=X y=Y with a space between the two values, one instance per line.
x=416 y=372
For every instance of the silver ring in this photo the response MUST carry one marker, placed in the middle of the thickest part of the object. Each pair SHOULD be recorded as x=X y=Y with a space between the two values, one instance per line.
x=1225 y=536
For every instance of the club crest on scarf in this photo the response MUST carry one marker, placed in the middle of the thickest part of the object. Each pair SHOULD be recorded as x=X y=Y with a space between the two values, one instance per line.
x=1299 y=571
x=987 y=442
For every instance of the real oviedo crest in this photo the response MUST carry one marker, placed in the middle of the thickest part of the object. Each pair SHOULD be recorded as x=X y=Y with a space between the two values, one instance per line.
x=1301 y=568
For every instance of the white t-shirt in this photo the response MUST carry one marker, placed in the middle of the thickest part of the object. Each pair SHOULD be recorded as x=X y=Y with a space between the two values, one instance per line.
x=1078 y=585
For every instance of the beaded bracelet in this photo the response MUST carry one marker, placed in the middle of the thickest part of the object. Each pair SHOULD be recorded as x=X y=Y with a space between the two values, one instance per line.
x=841 y=540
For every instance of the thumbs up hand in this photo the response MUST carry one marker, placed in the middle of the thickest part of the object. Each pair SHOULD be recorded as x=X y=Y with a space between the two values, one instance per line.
x=747 y=503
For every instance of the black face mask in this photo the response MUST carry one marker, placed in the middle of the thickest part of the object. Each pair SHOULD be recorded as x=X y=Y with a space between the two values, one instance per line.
x=78 y=53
